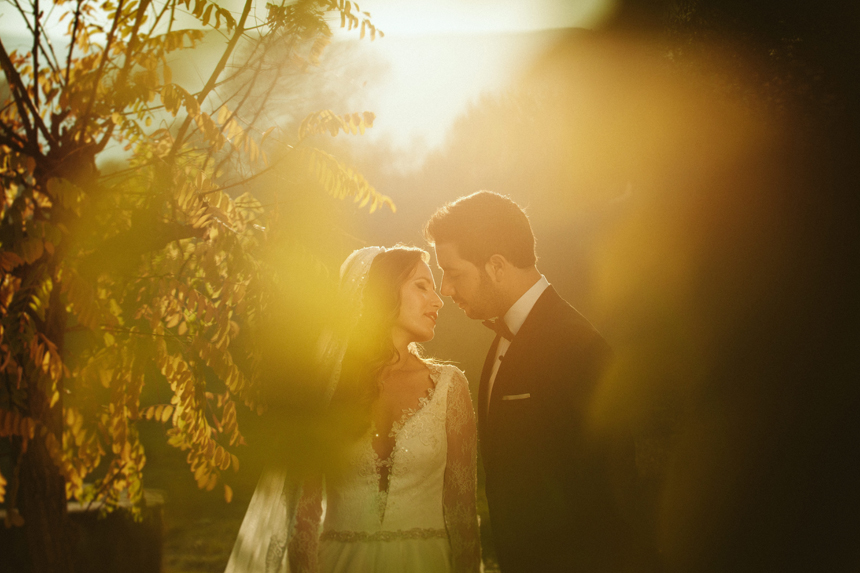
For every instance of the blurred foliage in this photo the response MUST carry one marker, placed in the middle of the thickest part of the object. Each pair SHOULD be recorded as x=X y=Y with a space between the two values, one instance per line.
x=158 y=269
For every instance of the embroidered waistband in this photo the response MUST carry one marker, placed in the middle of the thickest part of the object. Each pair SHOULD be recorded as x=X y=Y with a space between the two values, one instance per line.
x=414 y=533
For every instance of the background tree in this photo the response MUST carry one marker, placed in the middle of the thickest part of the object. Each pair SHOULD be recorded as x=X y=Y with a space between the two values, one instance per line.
x=152 y=270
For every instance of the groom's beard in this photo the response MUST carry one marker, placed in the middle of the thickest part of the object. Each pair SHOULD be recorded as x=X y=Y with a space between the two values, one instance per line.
x=486 y=301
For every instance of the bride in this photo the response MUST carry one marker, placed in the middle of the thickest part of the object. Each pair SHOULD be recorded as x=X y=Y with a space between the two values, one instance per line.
x=403 y=495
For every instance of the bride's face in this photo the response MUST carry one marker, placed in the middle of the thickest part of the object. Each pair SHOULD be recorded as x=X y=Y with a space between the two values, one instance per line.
x=419 y=306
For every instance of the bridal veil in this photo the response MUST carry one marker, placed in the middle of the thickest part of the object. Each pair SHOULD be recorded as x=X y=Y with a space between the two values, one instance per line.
x=261 y=545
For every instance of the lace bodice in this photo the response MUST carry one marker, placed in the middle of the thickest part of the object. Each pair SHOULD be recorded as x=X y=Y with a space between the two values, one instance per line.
x=431 y=479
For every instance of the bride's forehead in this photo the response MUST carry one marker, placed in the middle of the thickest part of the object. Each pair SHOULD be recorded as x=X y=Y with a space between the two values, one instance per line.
x=422 y=271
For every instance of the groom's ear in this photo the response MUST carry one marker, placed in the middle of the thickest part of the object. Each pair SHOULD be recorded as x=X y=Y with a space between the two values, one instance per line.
x=496 y=267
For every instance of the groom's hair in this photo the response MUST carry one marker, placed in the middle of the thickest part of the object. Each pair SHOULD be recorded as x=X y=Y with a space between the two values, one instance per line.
x=481 y=225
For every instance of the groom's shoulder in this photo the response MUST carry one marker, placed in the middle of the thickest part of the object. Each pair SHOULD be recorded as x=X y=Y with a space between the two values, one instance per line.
x=570 y=329
x=558 y=313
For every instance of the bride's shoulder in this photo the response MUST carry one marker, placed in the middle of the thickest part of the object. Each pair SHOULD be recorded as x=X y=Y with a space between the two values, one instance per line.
x=447 y=372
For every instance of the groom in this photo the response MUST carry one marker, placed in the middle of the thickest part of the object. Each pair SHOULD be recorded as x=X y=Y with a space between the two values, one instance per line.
x=550 y=485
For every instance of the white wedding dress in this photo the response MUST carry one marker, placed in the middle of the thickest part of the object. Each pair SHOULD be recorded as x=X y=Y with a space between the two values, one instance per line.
x=425 y=521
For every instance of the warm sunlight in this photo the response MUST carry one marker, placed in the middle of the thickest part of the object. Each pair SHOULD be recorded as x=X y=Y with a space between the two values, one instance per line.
x=441 y=56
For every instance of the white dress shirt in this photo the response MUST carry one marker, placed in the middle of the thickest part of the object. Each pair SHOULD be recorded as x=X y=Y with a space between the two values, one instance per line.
x=514 y=319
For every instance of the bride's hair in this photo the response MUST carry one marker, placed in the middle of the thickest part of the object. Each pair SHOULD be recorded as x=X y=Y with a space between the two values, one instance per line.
x=370 y=348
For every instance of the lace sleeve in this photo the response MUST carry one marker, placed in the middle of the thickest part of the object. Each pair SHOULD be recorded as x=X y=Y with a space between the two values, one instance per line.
x=461 y=478
x=304 y=544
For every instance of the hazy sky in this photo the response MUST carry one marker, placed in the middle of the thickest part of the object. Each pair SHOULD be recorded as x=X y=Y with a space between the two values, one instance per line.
x=409 y=17
x=429 y=80
x=440 y=54
x=443 y=54
x=412 y=17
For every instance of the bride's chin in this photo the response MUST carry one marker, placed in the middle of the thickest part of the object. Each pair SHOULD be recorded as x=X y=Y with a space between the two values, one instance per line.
x=426 y=337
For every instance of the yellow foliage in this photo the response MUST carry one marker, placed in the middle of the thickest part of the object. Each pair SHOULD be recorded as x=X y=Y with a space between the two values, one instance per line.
x=156 y=258
x=14 y=424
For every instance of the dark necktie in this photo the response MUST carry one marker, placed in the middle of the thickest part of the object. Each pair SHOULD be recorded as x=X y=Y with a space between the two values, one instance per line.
x=499 y=327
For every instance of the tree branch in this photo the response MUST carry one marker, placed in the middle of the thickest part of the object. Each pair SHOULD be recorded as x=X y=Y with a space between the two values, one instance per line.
x=105 y=483
x=245 y=180
x=141 y=333
x=73 y=39
x=33 y=33
x=129 y=62
x=36 y=45
x=23 y=101
x=213 y=79
x=160 y=15
x=172 y=16
x=235 y=112
x=102 y=65
x=12 y=140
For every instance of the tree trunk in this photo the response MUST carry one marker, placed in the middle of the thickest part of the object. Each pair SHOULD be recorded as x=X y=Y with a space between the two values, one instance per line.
x=42 y=502
x=42 y=494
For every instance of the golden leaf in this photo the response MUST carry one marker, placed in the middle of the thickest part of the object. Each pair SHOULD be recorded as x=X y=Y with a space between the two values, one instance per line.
x=223 y=114
x=228 y=492
x=266 y=134
x=192 y=106
x=31 y=249
x=9 y=260
x=170 y=98
x=207 y=14
x=228 y=17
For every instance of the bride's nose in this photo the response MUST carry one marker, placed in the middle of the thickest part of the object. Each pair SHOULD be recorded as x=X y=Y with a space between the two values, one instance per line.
x=437 y=302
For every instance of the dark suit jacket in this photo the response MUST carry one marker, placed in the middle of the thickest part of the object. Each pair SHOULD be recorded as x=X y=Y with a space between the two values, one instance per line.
x=551 y=485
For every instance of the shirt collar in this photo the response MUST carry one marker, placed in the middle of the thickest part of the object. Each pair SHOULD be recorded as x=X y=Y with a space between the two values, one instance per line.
x=519 y=311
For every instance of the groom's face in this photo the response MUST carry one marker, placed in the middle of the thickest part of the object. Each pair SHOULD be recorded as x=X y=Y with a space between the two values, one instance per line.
x=467 y=284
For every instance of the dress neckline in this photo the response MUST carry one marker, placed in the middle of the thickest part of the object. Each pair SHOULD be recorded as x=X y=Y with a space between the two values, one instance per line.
x=407 y=415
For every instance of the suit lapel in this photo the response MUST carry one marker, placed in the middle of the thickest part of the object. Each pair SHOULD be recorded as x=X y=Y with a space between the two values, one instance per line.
x=516 y=357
